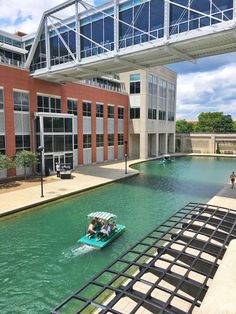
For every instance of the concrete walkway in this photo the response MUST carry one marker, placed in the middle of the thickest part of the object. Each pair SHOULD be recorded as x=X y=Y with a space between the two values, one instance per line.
x=84 y=178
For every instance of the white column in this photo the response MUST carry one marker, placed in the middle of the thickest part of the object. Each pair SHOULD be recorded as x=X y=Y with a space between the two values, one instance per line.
x=157 y=144
x=47 y=45
x=116 y=26
x=234 y=9
x=167 y=19
x=77 y=35
x=143 y=145
x=166 y=143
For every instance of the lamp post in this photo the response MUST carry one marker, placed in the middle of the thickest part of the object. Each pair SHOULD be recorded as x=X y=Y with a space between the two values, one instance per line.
x=40 y=149
x=126 y=156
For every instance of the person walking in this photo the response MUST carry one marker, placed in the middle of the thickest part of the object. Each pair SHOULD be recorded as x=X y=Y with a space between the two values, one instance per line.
x=232 y=179
x=58 y=169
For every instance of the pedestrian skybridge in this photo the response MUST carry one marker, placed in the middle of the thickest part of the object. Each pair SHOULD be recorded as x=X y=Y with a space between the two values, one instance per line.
x=120 y=36
x=168 y=271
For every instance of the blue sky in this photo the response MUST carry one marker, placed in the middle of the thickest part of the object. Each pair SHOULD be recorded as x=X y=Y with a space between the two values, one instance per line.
x=209 y=85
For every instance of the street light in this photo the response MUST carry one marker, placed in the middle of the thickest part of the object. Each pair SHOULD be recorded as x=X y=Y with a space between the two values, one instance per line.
x=40 y=149
x=126 y=156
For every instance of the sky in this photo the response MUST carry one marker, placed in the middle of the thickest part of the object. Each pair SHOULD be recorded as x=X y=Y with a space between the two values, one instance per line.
x=208 y=85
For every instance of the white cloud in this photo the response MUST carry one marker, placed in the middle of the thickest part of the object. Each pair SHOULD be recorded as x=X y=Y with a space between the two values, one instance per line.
x=25 y=15
x=207 y=91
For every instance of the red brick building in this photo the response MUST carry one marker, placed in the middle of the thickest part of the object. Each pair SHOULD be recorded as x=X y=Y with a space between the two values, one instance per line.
x=75 y=123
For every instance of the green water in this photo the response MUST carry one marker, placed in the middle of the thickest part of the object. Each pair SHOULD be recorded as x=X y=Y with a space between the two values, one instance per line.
x=41 y=262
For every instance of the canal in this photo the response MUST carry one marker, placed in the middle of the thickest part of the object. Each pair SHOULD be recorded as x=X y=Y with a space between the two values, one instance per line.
x=41 y=262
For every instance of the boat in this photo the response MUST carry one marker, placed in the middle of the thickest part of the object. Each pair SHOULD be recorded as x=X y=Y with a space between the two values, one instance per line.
x=165 y=159
x=97 y=241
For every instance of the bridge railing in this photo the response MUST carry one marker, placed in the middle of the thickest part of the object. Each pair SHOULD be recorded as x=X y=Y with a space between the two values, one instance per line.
x=200 y=22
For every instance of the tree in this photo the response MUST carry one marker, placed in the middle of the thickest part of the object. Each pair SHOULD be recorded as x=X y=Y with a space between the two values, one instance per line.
x=6 y=162
x=24 y=159
x=183 y=126
x=215 y=122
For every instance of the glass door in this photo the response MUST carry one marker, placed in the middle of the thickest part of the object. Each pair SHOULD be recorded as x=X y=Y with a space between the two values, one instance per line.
x=60 y=159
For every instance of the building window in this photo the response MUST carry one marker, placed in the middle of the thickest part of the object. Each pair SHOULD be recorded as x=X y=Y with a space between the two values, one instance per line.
x=99 y=111
x=110 y=139
x=75 y=141
x=134 y=113
x=2 y=145
x=86 y=109
x=110 y=111
x=87 y=139
x=120 y=113
x=171 y=101
x=134 y=85
x=22 y=142
x=99 y=140
x=152 y=114
x=162 y=99
x=152 y=97
x=120 y=139
x=49 y=104
x=21 y=101
x=1 y=99
x=72 y=106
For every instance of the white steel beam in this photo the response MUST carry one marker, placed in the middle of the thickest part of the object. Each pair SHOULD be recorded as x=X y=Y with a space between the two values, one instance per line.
x=47 y=44
x=180 y=54
x=167 y=20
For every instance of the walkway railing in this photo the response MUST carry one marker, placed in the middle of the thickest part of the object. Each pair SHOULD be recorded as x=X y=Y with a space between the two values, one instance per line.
x=168 y=271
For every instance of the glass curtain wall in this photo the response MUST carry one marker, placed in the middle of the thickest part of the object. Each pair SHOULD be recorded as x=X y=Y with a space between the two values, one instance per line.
x=184 y=19
x=162 y=99
x=152 y=97
x=171 y=101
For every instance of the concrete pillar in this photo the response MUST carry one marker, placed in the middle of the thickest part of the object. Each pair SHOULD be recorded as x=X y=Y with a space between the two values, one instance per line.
x=143 y=145
x=157 y=144
x=212 y=145
x=166 y=143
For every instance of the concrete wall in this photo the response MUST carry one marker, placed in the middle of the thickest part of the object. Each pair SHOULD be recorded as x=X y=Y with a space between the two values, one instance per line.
x=206 y=143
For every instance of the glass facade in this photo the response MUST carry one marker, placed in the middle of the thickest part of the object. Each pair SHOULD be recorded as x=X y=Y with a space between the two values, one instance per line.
x=2 y=145
x=162 y=99
x=22 y=142
x=186 y=19
x=134 y=85
x=120 y=139
x=99 y=140
x=134 y=113
x=48 y=104
x=21 y=101
x=86 y=109
x=110 y=112
x=152 y=97
x=139 y=21
x=1 y=100
x=87 y=139
x=110 y=139
x=99 y=111
x=171 y=101
x=72 y=106
x=120 y=113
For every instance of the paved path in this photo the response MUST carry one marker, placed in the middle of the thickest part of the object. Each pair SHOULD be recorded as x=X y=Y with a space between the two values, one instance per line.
x=84 y=178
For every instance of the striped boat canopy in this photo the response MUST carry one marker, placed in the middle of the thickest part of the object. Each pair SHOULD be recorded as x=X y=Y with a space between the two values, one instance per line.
x=102 y=215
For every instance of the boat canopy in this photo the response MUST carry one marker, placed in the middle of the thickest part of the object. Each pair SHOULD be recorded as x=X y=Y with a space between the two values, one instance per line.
x=102 y=215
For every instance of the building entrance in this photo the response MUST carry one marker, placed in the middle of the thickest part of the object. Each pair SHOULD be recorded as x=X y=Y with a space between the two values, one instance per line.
x=58 y=158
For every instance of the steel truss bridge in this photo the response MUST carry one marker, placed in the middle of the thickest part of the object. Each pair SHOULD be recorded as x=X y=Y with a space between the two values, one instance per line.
x=121 y=36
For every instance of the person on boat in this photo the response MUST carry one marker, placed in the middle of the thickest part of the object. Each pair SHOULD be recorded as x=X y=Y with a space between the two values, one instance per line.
x=104 y=232
x=91 y=228
x=99 y=223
